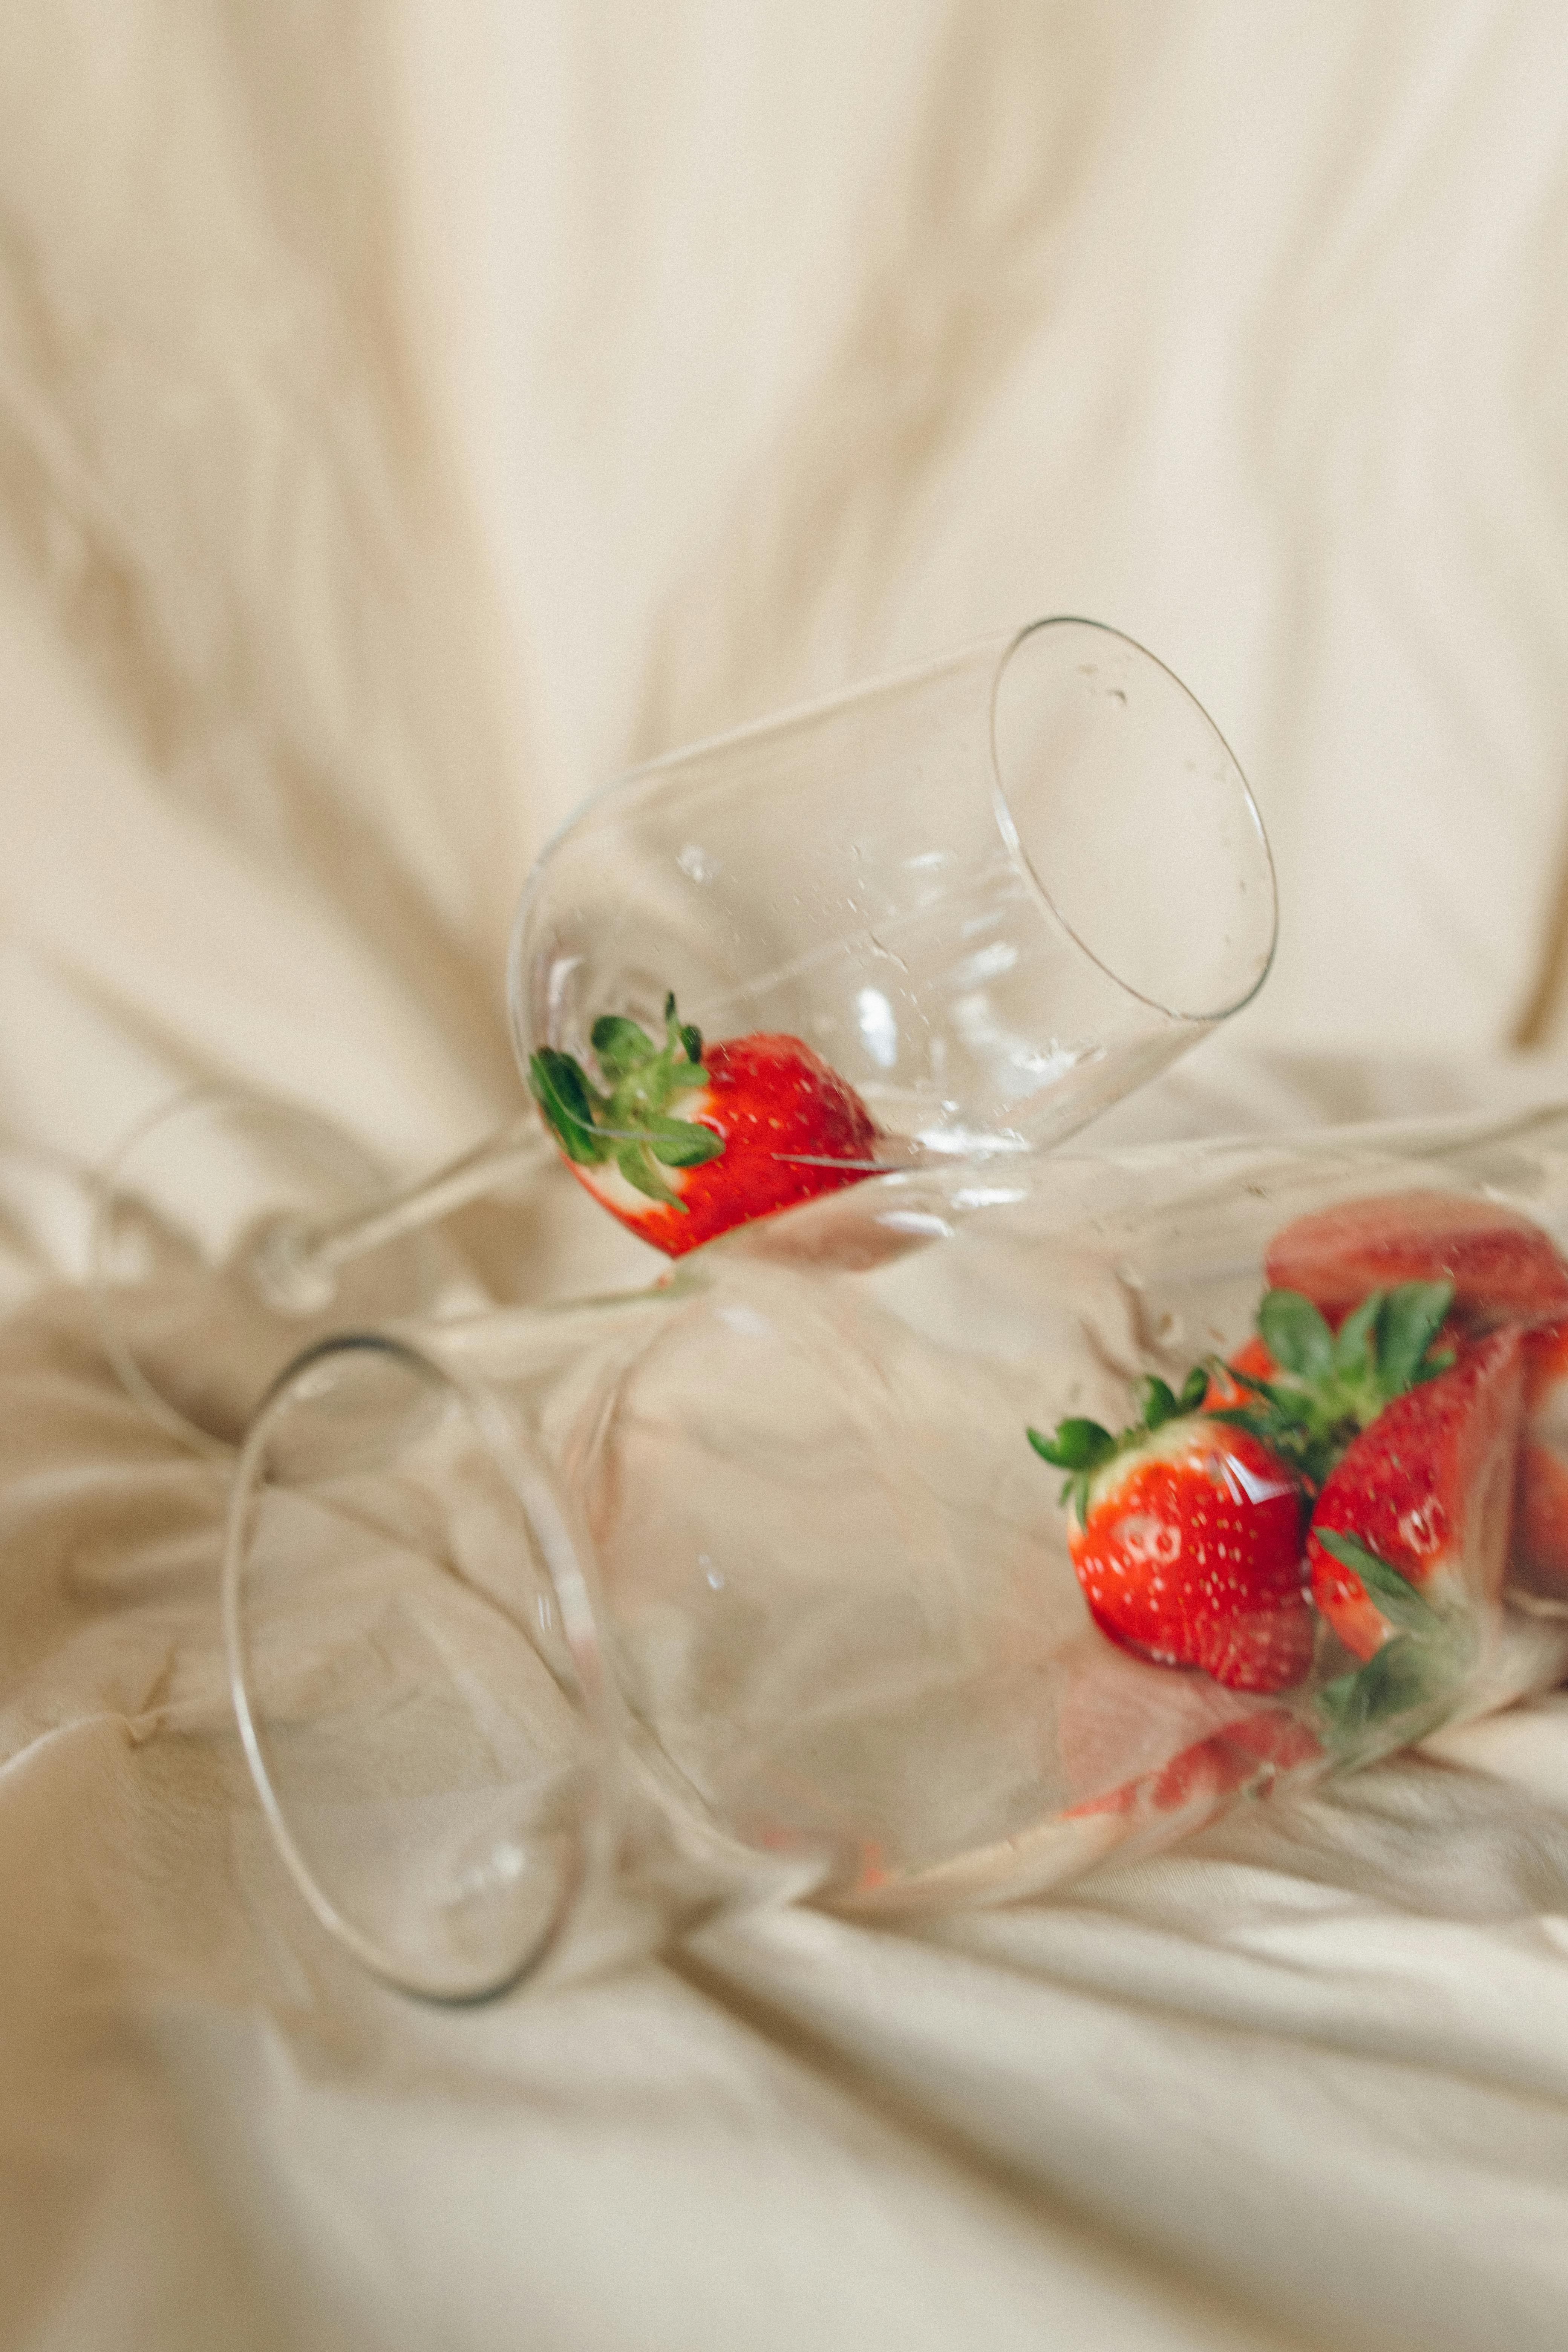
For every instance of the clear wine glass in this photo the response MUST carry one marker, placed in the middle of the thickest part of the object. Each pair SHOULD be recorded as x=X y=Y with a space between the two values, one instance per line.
x=988 y=896
x=751 y=1586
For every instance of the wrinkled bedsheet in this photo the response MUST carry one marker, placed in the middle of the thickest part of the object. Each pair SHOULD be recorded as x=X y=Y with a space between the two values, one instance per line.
x=410 y=417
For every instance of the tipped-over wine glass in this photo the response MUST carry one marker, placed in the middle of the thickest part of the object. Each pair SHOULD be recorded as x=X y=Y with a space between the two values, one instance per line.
x=753 y=1584
x=954 y=913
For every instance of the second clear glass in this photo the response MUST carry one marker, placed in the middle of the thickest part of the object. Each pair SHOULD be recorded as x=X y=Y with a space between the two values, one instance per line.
x=764 y=1554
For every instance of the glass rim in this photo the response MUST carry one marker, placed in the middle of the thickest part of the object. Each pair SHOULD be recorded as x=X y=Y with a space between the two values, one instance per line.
x=998 y=648
x=1208 y=1018
x=561 y=1553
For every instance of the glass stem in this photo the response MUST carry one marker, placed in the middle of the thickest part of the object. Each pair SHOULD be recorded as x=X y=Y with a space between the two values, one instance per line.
x=295 y=1264
x=485 y=1169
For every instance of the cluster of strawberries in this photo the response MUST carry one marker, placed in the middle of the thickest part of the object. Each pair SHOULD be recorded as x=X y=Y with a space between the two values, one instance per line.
x=1389 y=1447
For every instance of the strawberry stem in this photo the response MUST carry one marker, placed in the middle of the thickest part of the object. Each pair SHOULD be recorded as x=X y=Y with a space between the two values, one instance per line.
x=1330 y=1385
x=1081 y=1447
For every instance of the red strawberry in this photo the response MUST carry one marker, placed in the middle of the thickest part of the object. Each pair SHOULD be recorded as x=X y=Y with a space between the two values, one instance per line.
x=1416 y=1518
x=1503 y=1267
x=1541 y=1496
x=762 y=1123
x=1186 y=1538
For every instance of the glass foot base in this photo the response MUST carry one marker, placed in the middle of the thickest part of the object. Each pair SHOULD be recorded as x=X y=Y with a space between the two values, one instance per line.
x=198 y=1209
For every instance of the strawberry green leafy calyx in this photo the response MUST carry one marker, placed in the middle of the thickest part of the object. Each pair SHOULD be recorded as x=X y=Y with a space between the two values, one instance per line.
x=1081 y=1447
x=1411 y=1677
x=1328 y=1386
x=629 y=1121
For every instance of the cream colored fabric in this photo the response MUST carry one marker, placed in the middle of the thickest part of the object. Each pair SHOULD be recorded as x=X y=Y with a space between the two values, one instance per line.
x=409 y=416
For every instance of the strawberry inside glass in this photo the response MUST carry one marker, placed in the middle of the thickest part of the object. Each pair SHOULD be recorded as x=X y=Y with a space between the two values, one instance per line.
x=951 y=914
x=1314 y=1451
x=1342 y=1499
x=681 y=1140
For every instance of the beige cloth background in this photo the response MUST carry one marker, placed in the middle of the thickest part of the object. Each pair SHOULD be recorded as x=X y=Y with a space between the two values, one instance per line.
x=409 y=416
